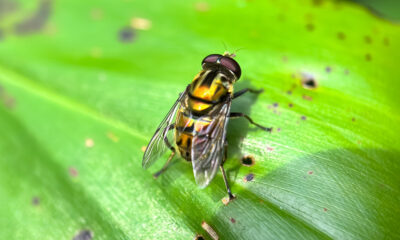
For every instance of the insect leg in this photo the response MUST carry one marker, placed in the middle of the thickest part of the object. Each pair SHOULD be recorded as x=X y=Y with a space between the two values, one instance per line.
x=231 y=196
x=238 y=115
x=243 y=91
x=158 y=173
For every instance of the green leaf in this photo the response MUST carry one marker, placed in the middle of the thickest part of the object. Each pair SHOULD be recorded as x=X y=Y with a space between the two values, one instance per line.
x=81 y=94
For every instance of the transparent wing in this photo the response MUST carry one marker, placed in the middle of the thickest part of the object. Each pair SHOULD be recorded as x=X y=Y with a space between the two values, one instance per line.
x=208 y=147
x=157 y=145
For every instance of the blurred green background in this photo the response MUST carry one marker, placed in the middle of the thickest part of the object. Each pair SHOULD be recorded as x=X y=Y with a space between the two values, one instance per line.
x=84 y=84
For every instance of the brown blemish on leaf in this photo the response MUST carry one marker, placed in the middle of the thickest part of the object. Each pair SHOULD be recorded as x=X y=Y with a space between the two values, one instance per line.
x=84 y=235
x=310 y=172
x=303 y=117
x=96 y=14
x=308 y=81
x=35 y=201
x=289 y=92
x=233 y=220
x=270 y=149
x=341 y=35
x=213 y=234
x=284 y=59
x=248 y=160
x=368 y=39
x=306 y=97
x=198 y=237
x=89 y=142
x=386 y=41
x=249 y=177
x=275 y=105
x=202 y=6
x=368 y=57
x=37 y=21
x=225 y=201
x=290 y=105
x=6 y=99
x=317 y=2
x=278 y=130
x=126 y=35
x=96 y=52
x=325 y=209
x=346 y=72
x=353 y=119
x=113 y=137
x=310 y=27
x=140 y=23
x=73 y=172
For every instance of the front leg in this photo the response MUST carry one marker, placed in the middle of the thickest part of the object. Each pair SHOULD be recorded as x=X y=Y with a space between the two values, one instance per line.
x=243 y=91
x=238 y=115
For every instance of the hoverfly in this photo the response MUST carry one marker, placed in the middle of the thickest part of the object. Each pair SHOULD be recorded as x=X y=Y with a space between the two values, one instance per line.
x=195 y=126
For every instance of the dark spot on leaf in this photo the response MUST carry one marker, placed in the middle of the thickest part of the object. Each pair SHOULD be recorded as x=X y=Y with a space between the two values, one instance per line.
x=275 y=104
x=290 y=105
x=346 y=72
x=325 y=209
x=248 y=161
x=270 y=149
x=353 y=119
x=289 y=92
x=84 y=235
x=368 y=39
x=386 y=41
x=233 y=220
x=249 y=177
x=310 y=172
x=126 y=34
x=278 y=129
x=35 y=201
x=199 y=237
x=303 y=117
x=202 y=7
x=306 y=97
x=368 y=57
x=73 y=172
x=310 y=27
x=36 y=21
x=328 y=69
x=341 y=36
x=7 y=7
x=308 y=81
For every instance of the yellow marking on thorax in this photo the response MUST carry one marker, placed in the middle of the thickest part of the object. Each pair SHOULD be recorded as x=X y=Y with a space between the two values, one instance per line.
x=212 y=93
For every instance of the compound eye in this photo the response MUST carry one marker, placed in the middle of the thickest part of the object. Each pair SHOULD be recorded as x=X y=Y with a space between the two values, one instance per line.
x=213 y=58
x=232 y=65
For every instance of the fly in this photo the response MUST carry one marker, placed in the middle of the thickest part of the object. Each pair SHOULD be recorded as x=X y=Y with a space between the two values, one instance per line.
x=195 y=127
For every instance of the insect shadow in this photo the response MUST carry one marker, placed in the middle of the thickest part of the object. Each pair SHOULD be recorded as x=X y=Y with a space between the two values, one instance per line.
x=238 y=128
